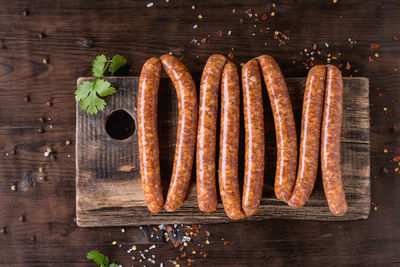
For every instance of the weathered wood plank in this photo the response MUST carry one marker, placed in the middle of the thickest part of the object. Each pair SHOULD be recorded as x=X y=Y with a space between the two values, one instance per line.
x=108 y=180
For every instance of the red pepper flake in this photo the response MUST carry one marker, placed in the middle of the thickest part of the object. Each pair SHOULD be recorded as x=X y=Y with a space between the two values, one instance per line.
x=376 y=177
x=195 y=234
x=203 y=40
x=176 y=244
x=220 y=33
x=155 y=229
x=356 y=71
x=207 y=233
x=348 y=66
x=381 y=94
x=264 y=16
x=169 y=228
x=181 y=247
x=177 y=258
x=205 y=255
x=230 y=55
x=374 y=47
x=370 y=59
x=395 y=37
x=241 y=20
x=315 y=47
x=396 y=159
x=225 y=243
x=183 y=255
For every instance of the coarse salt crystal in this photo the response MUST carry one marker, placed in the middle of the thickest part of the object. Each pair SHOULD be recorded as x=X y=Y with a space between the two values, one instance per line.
x=195 y=26
x=153 y=261
x=229 y=32
x=151 y=247
x=150 y=4
x=193 y=7
x=326 y=44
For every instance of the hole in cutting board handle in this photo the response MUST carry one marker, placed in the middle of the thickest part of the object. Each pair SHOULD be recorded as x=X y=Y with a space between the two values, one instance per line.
x=119 y=124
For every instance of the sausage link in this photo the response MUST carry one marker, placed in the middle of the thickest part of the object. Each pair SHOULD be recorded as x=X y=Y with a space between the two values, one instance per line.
x=206 y=133
x=285 y=129
x=330 y=142
x=186 y=136
x=229 y=142
x=310 y=134
x=148 y=135
x=254 y=137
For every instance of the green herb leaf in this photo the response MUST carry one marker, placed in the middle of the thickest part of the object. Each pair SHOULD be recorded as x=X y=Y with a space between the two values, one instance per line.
x=103 y=88
x=98 y=66
x=83 y=89
x=92 y=103
x=116 y=62
x=113 y=265
x=95 y=256
x=90 y=93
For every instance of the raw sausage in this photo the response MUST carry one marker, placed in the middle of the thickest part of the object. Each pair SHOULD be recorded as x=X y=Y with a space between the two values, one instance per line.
x=310 y=134
x=229 y=142
x=285 y=129
x=147 y=134
x=186 y=135
x=206 y=133
x=330 y=142
x=254 y=137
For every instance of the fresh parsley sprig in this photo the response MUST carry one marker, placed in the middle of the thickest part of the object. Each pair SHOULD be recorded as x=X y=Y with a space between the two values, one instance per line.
x=100 y=259
x=90 y=94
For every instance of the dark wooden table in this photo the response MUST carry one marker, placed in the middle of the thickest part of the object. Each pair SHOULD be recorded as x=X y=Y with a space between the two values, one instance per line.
x=67 y=35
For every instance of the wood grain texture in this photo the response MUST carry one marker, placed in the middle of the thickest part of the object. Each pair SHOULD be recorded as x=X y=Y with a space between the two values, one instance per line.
x=78 y=30
x=107 y=196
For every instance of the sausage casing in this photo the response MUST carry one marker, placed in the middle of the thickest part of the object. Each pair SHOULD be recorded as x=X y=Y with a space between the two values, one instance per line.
x=148 y=135
x=254 y=137
x=285 y=128
x=330 y=142
x=229 y=142
x=310 y=135
x=186 y=134
x=206 y=133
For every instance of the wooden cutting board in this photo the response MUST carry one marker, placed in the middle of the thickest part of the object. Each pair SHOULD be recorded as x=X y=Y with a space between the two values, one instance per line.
x=108 y=185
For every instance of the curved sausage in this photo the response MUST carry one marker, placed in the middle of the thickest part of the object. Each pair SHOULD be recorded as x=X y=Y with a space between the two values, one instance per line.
x=206 y=133
x=186 y=135
x=229 y=142
x=148 y=135
x=330 y=142
x=254 y=137
x=310 y=135
x=286 y=139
